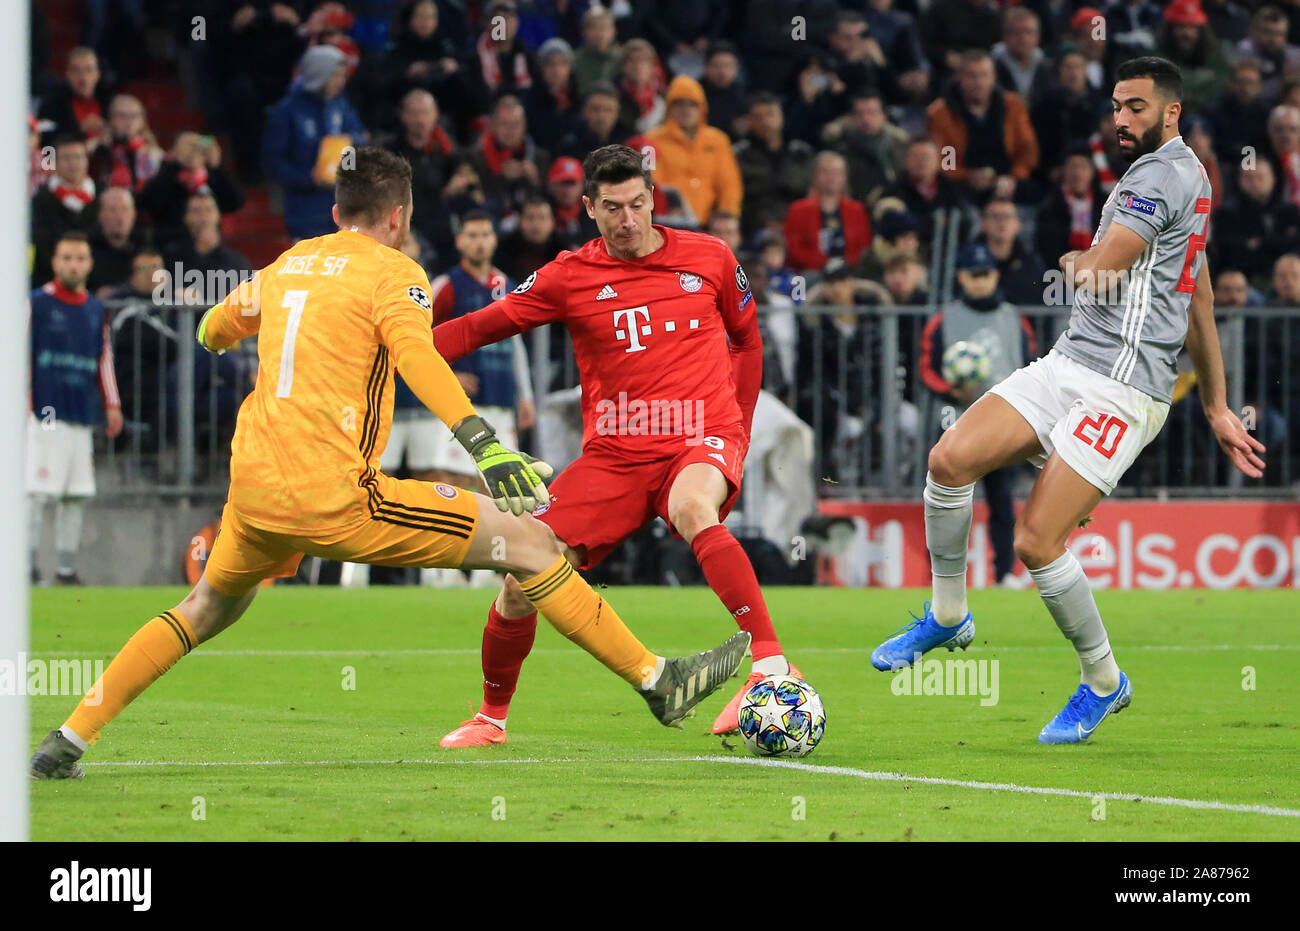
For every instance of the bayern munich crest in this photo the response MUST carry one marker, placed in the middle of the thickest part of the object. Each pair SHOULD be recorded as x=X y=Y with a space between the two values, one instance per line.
x=445 y=490
x=690 y=283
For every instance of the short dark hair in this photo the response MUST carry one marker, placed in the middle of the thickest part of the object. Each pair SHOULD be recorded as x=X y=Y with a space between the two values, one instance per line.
x=475 y=216
x=613 y=164
x=69 y=139
x=72 y=236
x=720 y=47
x=765 y=98
x=1166 y=76
x=374 y=183
x=601 y=89
x=534 y=199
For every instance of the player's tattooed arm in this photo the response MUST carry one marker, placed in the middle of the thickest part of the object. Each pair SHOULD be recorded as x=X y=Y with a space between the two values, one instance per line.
x=1203 y=346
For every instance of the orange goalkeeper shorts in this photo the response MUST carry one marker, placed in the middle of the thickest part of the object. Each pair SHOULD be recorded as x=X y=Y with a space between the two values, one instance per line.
x=422 y=524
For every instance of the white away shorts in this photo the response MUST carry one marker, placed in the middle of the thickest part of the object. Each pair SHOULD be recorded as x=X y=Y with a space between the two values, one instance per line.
x=60 y=459
x=1097 y=424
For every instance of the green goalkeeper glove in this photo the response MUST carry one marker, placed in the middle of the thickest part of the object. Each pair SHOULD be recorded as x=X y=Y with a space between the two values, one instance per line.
x=514 y=480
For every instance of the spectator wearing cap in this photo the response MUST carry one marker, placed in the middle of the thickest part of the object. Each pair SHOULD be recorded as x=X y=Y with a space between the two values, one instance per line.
x=641 y=87
x=1256 y=227
x=599 y=125
x=1269 y=45
x=509 y=164
x=1186 y=40
x=64 y=203
x=1066 y=113
x=895 y=232
x=534 y=242
x=502 y=62
x=873 y=148
x=1020 y=62
x=923 y=189
x=1070 y=215
x=723 y=89
x=1133 y=26
x=827 y=223
x=1088 y=36
x=906 y=75
x=305 y=132
x=425 y=56
x=1240 y=118
x=988 y=129
x=774 y=171
x=597 y=60
x=115 y=240
x=564 y=184
x=693 y=157
x=554 y=108
x=980 y=314
x=1020 y=268
x=193 y=166
x=427 y=146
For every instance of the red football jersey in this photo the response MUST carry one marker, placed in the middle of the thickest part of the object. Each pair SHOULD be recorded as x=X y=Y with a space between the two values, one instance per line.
x=651 y=339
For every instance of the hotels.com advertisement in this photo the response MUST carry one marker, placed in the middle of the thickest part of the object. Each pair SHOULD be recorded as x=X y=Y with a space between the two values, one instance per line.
x=1128 y=544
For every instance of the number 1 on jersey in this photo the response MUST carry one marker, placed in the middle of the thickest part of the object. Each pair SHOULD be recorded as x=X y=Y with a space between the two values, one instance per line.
x=295 y=301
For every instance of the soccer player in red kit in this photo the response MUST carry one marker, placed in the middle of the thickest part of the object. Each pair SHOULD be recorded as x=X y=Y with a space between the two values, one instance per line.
x=670 y=359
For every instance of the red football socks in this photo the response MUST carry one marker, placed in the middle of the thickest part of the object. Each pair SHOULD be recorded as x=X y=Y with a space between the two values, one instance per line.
x=731 y=576
x=507 y=641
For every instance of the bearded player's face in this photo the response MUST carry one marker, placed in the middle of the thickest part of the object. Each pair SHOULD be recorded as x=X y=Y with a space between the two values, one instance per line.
x=1140 y=116
x=622 y=214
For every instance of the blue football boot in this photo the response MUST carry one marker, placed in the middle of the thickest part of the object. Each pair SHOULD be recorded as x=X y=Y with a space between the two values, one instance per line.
x=1084 y=712
x=921 y=636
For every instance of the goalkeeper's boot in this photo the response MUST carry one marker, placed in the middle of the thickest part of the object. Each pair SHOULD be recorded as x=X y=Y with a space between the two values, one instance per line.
x=919 y=637
x=476 y=732
x=56 y=758
x=1084 y=712
x=728 y=719
x=688 y=680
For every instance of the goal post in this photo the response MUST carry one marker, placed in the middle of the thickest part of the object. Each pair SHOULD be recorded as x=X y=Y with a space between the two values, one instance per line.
x=14 y=615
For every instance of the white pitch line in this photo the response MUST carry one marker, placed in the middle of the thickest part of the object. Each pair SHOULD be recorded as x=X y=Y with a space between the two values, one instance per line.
x=1196 y=804
x=361 y=651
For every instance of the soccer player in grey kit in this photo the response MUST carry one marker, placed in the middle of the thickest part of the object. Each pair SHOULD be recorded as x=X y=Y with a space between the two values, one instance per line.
x=1085 y=410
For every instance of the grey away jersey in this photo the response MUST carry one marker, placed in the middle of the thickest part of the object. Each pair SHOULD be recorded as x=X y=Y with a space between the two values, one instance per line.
x=1133 y=333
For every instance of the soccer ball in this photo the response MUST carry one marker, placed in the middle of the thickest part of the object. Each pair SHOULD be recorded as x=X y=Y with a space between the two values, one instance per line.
x=964 y=364
x=782 y=716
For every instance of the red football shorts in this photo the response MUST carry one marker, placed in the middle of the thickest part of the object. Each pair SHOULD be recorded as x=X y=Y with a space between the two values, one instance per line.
x=604 y=497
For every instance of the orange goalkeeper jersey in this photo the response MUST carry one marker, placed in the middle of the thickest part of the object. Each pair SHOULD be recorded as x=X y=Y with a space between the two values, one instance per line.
x=335 y=316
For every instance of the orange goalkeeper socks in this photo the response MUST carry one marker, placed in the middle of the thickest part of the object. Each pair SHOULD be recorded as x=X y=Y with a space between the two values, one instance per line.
x=150 y=652
x=576 y=611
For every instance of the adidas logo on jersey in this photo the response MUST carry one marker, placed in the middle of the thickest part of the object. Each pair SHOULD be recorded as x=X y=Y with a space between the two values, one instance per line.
x=606 y=293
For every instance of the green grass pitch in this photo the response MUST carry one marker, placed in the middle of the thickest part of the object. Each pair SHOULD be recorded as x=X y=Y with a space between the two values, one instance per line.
x=256 y=732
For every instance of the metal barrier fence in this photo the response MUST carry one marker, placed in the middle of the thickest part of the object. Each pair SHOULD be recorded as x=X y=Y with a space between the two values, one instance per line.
x=873 y=432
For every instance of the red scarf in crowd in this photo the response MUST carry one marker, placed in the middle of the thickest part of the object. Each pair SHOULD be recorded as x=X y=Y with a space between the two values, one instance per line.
x=83 y=108
x=125 y=154
x=490 y=62
x=438 y=142
x=496 y=156
x=1080 y=219
x=76 y=198
x=1105 y=176
x=194 y=179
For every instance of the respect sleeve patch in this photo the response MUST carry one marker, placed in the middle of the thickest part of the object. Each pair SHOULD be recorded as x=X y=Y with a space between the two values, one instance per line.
x=1138 y=204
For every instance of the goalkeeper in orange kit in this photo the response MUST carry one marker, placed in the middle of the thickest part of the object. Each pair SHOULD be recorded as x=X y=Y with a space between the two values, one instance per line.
x=335 y=316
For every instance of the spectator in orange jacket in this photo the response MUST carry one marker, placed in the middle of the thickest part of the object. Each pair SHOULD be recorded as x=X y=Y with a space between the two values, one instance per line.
x=693 y=157
x=993 y=142
x=827 y=223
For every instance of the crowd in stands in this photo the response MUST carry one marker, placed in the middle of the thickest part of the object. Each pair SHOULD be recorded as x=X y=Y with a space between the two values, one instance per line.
x=803 y=131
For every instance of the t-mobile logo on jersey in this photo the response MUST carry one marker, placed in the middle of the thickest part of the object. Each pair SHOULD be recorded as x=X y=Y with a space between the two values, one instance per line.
x=628 y=325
